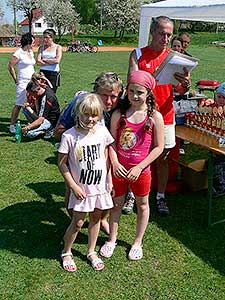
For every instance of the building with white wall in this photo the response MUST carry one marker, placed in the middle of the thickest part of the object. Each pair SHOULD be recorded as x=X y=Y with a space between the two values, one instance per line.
x=39 y=24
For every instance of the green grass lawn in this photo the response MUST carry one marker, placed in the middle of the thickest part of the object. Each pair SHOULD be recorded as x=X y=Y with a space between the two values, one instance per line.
x=183 y=258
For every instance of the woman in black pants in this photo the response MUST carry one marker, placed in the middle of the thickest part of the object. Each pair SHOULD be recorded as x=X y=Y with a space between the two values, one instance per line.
x=48 y=58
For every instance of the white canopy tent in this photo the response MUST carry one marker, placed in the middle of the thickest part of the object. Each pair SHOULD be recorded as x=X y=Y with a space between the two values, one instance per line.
x=193 y=10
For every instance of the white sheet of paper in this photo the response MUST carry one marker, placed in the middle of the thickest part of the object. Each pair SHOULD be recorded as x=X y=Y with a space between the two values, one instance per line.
x=175 y=64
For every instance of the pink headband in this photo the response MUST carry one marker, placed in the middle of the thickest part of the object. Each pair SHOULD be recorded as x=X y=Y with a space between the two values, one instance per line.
x=143 y=78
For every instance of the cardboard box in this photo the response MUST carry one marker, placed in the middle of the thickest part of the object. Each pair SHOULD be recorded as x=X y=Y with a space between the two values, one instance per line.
x=195 y=175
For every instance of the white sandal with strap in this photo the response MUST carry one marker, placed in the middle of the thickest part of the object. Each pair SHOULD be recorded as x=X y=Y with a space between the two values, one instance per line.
x=68 y=265
x=97 y=263
x=107 y=249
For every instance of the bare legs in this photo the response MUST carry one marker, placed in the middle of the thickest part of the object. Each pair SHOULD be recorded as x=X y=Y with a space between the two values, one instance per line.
x=142 y=218
x=72 y=231
x=104 y=222
x=104 y=213
x=15 y=113
x=76 y=225
x=114 y=218
x=93 y=229
x=143 y=212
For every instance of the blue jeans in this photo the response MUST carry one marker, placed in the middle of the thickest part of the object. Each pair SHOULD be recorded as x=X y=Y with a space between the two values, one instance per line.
x=28 y=115
x=46 y=125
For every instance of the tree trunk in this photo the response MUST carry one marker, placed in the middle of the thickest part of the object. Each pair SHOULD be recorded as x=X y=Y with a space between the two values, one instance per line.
x=121 y=33
x=59 y=32
x=14 y=17
x=72 y=32
x=30 y=18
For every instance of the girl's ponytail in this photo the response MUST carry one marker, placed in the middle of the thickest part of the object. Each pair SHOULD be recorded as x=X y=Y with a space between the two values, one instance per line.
x=123 y=107
x=150 y=101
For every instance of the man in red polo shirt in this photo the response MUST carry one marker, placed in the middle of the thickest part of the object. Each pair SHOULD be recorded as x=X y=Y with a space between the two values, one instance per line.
x=148 y=59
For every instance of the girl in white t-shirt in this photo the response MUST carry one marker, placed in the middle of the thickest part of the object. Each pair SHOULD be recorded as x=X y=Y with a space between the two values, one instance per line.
x=24 y=59
x=83 y=163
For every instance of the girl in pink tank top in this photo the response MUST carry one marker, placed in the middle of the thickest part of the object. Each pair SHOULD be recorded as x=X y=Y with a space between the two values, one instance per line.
x=138 y=130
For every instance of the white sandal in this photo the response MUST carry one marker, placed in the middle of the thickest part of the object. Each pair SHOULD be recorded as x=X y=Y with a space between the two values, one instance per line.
x=107 y=249
x=68 y=265
x=97 y=263
x=135 y=253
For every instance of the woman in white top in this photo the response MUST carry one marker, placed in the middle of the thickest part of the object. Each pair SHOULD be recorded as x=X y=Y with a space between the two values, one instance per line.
x=48 y=58
x=24 y=59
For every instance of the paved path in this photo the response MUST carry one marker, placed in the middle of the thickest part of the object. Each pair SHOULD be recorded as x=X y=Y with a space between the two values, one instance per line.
x=101 y=49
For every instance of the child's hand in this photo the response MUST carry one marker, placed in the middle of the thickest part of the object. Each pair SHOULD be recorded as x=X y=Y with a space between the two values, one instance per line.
x=119 y=170
x=110 y=189
x=134 y=173
x=79 y=193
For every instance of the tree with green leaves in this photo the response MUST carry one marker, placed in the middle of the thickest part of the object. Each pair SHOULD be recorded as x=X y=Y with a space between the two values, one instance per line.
x=87 y=9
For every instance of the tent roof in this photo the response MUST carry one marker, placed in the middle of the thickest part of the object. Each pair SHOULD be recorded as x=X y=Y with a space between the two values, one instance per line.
x=192 y=10
x=185 y=3
x=196 y=10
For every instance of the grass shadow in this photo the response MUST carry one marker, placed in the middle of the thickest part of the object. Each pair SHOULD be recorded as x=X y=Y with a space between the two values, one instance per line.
x=187 y=223
x=33 y=229
x=52 y=159
x=47 y=189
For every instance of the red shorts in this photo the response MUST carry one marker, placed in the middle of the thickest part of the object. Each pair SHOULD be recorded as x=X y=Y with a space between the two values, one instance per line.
x=140 y=187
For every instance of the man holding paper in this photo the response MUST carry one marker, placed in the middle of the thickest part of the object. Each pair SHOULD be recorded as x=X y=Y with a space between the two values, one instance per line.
x=149 y=59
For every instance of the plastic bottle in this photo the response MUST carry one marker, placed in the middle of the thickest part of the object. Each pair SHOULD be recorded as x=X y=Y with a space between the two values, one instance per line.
x=18 y=132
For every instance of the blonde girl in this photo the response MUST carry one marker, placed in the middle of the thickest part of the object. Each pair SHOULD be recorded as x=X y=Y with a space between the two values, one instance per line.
x=83 y=163
x=138 y=131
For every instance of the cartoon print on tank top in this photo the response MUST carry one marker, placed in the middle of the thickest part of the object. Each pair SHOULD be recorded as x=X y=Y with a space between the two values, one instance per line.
x=128 y=139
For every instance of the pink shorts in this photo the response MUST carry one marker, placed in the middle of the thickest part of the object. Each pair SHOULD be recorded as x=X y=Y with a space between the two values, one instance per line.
x=140 y=187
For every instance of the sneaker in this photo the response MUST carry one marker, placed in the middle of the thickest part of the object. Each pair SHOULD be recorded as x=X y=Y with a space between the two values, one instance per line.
x=12 y=129
x=163 y=209
x=129 y=203
x=48 y=134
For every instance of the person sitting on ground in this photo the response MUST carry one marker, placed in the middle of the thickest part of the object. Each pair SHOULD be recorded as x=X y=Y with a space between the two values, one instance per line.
x=30 y=110
x=47 y=110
